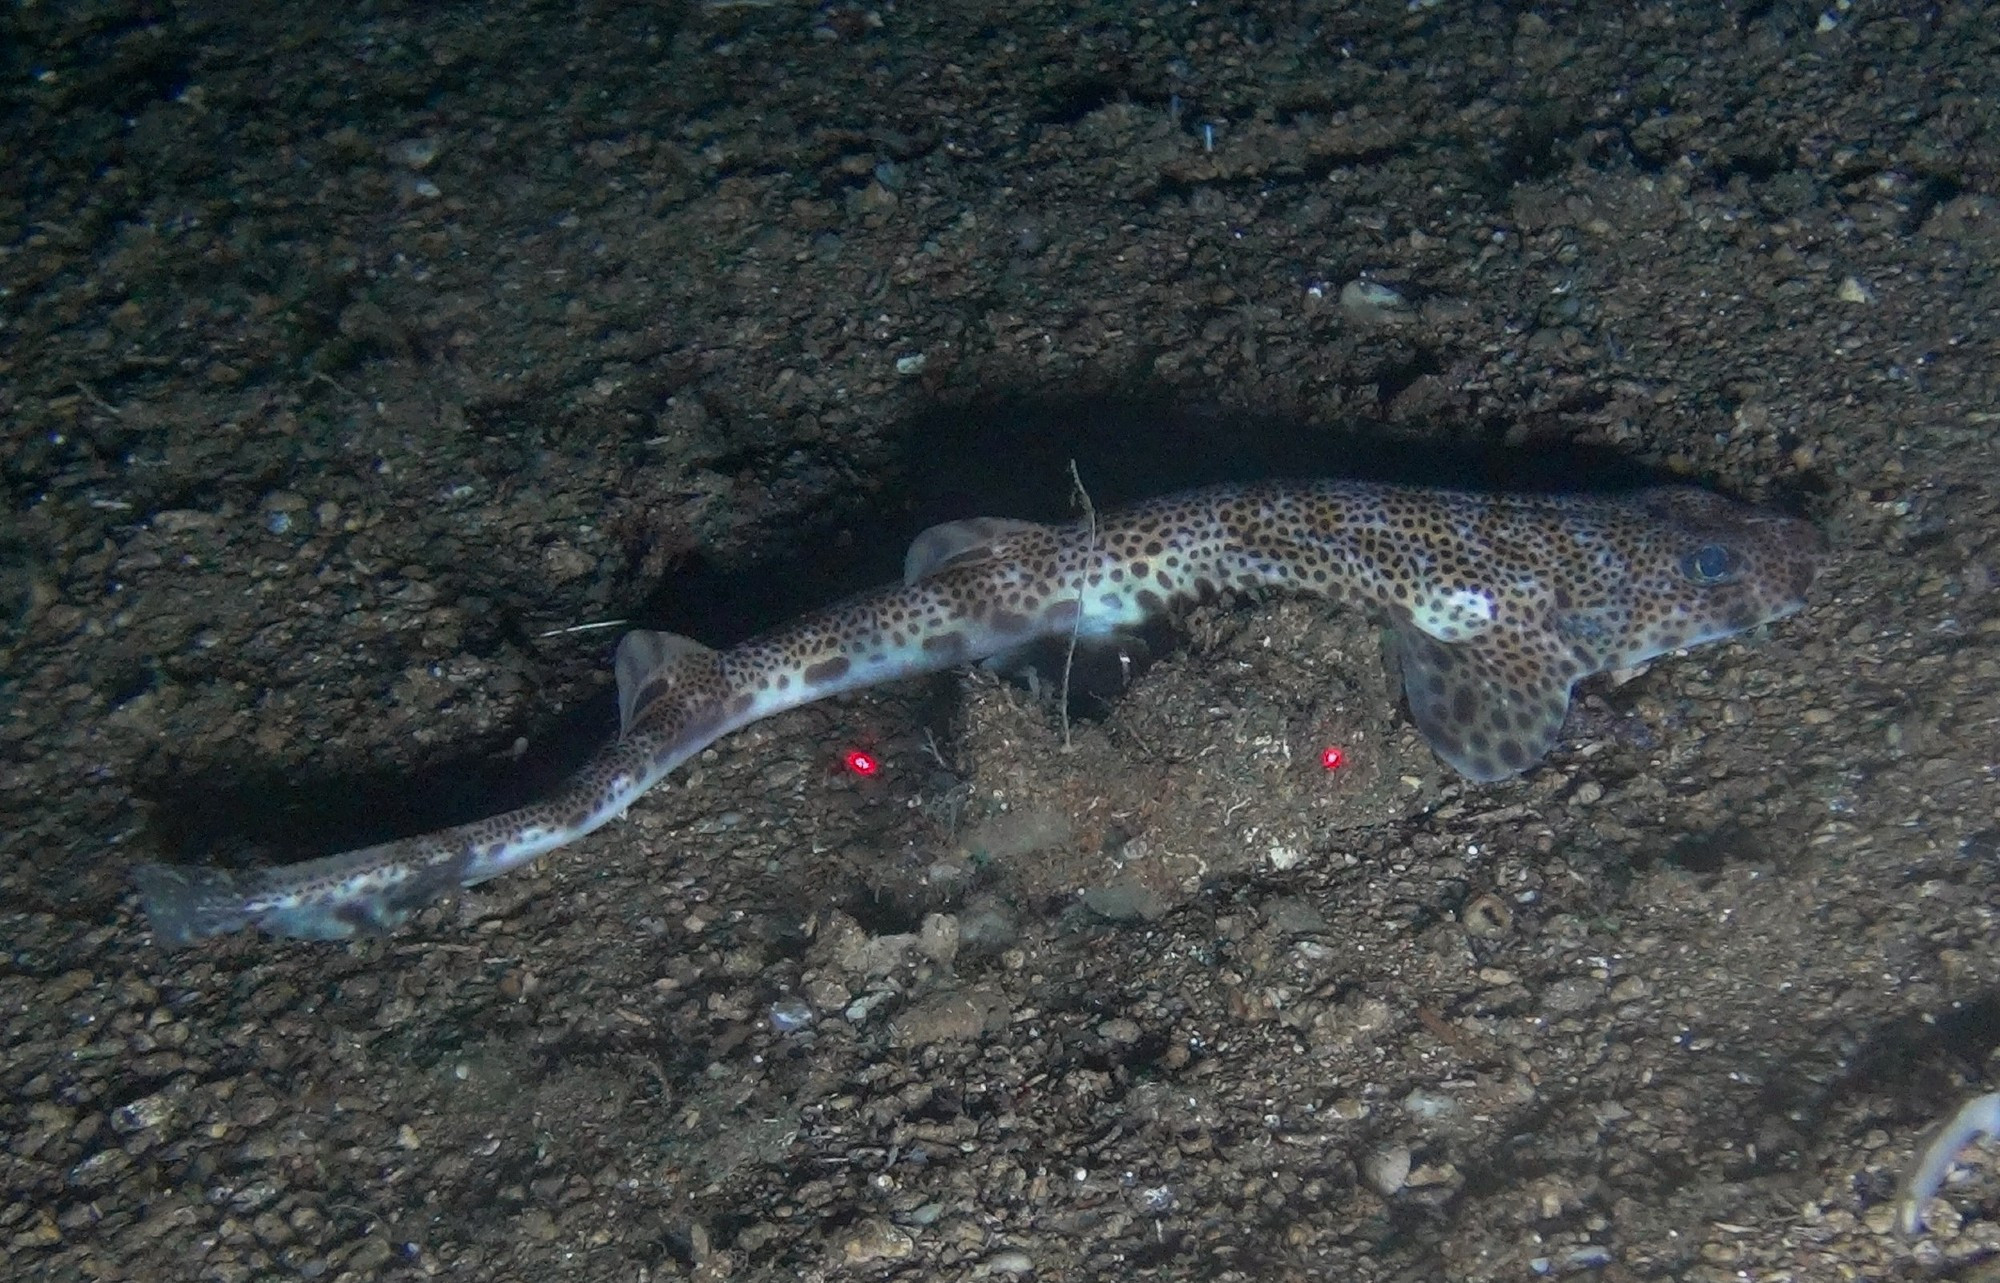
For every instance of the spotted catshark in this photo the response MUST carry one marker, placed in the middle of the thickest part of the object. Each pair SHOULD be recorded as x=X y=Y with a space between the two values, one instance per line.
x=1498 y=605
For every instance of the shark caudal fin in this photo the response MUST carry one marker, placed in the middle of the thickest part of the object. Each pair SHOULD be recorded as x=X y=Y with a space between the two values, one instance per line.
x=670 y=704
x=187 y=904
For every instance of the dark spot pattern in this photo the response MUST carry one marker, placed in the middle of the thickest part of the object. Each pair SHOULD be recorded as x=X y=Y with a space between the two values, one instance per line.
x=948 y=646
x=827 y=670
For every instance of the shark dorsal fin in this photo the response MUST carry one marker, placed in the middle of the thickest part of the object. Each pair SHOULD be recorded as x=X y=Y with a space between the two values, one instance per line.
x=643 y=659
x=955 y=542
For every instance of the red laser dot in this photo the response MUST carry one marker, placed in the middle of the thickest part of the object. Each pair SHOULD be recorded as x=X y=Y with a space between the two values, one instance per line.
x=863 y=764
x=1333 y=757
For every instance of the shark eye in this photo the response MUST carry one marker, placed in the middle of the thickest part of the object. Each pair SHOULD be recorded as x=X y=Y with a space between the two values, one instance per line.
x=1711 y=564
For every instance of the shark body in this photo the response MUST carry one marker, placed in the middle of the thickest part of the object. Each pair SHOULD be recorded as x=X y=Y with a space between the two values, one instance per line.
x=1499 y=605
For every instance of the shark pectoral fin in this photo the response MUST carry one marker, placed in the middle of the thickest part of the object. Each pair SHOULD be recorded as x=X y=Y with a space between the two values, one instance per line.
x=954 y=542
x=1012 y=662
x=1491 y=707
x=645 y=667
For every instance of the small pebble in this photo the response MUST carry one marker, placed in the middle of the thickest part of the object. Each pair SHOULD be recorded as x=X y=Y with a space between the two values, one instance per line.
x=938 y=938
x=1629 y=989
x=1296 y=917
x=1429 y=1104
x=827 y=994
x=1371 y=302
x=1578 y=993
x=1388 y=1169
x=415 y=153
x=1590 y=1256
x=790 y=1015
x=1431 y=1174
x=1487 y=917
x=876 y=1240
x=1119 y=1029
